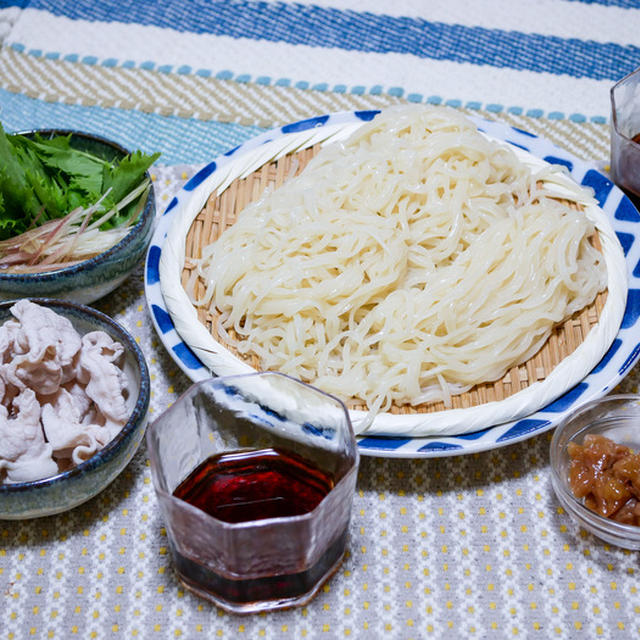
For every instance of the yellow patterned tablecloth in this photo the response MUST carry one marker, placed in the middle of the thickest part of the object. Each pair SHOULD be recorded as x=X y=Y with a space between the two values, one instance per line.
x=474 y=546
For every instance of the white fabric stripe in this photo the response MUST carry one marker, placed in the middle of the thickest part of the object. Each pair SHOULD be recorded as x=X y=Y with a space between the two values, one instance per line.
x=8 y=16
x=450 y=80
x=546 y=17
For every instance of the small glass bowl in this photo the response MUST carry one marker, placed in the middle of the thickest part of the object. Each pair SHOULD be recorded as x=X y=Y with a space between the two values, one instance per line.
x=263 y=562
x=616 y=417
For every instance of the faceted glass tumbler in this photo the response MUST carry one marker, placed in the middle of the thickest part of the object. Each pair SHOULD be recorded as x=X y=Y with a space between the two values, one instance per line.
x=267 y=563
x=625 y=135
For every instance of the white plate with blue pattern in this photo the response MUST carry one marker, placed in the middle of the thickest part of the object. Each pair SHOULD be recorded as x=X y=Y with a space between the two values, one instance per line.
x=622 y=215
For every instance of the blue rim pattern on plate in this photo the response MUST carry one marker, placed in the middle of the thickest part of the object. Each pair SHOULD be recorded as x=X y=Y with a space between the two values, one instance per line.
x=617 y=362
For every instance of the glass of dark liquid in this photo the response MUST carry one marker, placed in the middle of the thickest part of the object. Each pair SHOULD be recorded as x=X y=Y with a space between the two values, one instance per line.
x=625 y=135
x=255 y=475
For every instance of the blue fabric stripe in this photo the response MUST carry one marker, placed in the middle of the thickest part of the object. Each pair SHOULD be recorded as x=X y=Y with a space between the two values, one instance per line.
x=180 y=140
x=624 y=4
x=353 y=31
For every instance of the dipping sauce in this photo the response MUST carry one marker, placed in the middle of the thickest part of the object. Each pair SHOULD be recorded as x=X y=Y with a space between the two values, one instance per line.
x=259 y=520
x=245 y=486
x=607 y=476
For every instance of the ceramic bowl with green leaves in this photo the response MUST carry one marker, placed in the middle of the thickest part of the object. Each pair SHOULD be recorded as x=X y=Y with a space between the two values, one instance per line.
x=76 y=214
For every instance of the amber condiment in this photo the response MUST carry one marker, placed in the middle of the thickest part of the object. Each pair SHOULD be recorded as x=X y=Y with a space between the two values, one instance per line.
x=245 y=486
x=607 y=476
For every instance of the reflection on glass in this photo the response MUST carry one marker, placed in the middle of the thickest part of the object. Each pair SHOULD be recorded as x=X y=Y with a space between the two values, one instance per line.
x=255 y=476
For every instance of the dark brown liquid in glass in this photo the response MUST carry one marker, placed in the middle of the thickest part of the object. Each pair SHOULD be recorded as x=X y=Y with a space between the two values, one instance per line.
x=244 y=486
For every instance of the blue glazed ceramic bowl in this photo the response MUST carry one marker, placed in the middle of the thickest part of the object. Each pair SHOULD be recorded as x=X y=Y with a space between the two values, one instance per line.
x=89 y=280
x=70 y=488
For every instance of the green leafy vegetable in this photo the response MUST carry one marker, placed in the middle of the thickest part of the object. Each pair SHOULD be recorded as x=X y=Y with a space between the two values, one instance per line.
x=44 y=180
x=15 y=189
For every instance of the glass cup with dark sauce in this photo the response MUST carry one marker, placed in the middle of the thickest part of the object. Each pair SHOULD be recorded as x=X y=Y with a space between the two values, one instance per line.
x=255 y=475
x=625 y=135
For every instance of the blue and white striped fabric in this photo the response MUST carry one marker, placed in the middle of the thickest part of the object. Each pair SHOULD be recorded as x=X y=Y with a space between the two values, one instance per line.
x=553 y=55
x=552 y=58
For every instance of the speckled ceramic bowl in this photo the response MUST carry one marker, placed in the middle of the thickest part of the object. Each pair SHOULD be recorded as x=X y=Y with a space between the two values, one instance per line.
x=91 y=279
x=77 y=485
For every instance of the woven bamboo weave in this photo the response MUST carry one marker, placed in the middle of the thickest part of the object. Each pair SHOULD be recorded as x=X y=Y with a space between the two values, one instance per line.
x=220 y=212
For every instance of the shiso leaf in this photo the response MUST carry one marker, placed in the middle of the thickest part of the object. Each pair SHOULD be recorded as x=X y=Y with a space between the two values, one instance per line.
x=43 y=180
x=123 y=177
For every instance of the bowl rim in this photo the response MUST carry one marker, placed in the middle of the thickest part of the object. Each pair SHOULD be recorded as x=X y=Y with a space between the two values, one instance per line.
x=592 y=520
x=137 y=415
x=148 y=211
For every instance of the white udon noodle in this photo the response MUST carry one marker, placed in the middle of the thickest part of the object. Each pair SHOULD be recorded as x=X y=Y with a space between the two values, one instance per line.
x=404 y=265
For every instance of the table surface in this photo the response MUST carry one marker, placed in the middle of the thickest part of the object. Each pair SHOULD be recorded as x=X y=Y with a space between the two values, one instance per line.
x=474 y=546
